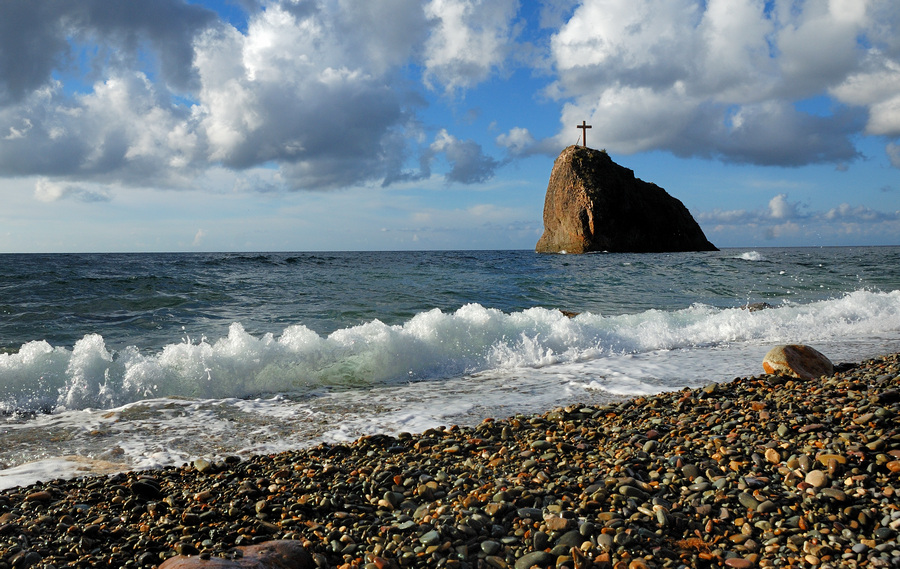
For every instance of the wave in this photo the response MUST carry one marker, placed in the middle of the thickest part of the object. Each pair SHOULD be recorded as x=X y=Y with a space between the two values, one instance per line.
x=751 y=256
x=431 y=345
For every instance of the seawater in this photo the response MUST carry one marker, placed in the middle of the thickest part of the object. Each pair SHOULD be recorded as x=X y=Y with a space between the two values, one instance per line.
x=112 y=362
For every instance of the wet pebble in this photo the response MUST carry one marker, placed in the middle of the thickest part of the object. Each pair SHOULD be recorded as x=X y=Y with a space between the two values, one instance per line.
x=539 y=558
x=698 y=477
x=816 y=478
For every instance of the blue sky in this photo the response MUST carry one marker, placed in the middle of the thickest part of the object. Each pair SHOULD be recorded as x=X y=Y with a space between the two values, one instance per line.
x=237 y=125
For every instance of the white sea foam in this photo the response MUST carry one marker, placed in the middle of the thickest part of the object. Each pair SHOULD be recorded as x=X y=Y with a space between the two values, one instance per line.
x=524 y=362
x=751 y=256
x=53 y=468
x=432 y=345
x=169 y=398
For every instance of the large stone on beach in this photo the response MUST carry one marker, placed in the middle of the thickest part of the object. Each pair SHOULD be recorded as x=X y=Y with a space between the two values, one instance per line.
x=536 y=558
x=797 y=360
x=280 y=554
x=594 y=204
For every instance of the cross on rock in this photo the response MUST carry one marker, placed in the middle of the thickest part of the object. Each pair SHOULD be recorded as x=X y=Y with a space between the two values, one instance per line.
x=583 y=126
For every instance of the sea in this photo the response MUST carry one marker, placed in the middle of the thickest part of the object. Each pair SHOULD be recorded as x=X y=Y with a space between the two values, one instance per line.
x=113 y=362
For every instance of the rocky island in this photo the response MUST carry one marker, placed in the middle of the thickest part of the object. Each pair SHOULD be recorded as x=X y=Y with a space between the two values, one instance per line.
x=594 y=204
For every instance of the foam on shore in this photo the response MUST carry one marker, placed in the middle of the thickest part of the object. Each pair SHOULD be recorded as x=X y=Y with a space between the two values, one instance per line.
x=758 y=472
x=431 y=346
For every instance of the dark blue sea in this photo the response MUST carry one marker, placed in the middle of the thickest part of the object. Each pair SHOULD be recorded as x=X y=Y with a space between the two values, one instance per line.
x=111 y=362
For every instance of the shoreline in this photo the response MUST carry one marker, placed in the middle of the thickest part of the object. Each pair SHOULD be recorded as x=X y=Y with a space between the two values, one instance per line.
x=763 y=471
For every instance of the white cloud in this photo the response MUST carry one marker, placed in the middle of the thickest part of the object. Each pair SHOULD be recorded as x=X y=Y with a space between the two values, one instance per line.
x=875 y=86
x=781 y=208
x=730 y=217
x=198 y=237
x=783 y=219
x=38 y=36
x=604 y=38
x=318 y=89
x=734 y=59
x=284 y=92
x=817 y=44
x=15 y=133
x=385 y=34
x=470 y=38
x=49 y=191
x=783 y=211
x=721 y=78
x=121 y=130
x=518 y=140
x=861 y=214
x=469 y=164
x=778 y=209
x=330 y=93
x=884 y=117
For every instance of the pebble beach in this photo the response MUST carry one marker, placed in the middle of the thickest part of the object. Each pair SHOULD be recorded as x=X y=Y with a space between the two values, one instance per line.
x=763 y=471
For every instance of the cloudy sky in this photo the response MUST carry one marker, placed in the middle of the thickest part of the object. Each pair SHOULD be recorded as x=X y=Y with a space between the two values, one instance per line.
x=233 y=125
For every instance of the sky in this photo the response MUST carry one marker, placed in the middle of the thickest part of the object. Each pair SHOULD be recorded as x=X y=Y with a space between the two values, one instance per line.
x=303 y=125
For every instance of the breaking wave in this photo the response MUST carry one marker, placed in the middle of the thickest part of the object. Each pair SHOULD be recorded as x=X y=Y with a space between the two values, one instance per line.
x=751 y=256
x=432 y=345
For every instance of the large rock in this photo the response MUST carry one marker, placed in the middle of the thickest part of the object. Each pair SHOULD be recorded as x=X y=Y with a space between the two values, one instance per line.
x=277 y=554
x=593 y=204
x=797 y=360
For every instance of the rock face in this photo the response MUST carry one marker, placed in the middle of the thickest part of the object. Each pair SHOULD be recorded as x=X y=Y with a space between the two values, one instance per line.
x=798 y=361
x=593 y=204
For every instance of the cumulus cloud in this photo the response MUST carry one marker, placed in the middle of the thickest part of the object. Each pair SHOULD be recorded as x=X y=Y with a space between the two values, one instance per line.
x=317 y=88
x=876 y=86
x=783 y=218
x=781 y=208
x=517 y=141
x=31 y=41
x=117 y=122
x=862 y=214
x=40 y=36
x=722 y=78
x=468 y=162
x=283 y=92
x=122 y=130
x=470 y=38
x=332 y=93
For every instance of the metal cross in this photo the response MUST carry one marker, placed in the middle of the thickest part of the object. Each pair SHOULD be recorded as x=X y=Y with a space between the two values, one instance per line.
x=584 y=126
